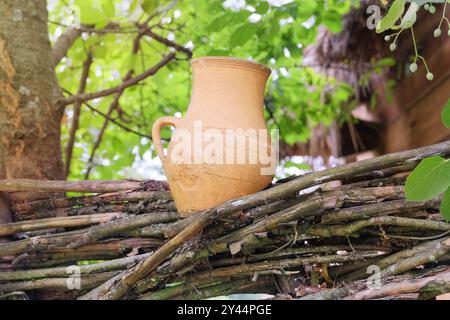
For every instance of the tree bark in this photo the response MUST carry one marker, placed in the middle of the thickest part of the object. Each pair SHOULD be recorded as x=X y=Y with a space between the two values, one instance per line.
x=5 y=211
x=30 y=117
x=63 y=44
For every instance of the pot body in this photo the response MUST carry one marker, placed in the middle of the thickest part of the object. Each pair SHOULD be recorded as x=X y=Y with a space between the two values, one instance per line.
x=220 y=148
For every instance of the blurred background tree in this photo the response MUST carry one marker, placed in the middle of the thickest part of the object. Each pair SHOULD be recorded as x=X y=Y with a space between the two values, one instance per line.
x=107 y=137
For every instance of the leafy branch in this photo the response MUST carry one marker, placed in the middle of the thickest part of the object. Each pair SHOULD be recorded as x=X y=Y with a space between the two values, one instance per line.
x=432 y=176
x=407 y=21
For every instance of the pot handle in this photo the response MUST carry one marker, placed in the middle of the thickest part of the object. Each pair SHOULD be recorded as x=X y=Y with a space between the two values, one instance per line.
x=157 y=126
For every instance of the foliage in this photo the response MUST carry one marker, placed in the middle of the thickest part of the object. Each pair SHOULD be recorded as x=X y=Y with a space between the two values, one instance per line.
x=397 y=19
x=271 y=32
x=431 y=177
x=446 y=115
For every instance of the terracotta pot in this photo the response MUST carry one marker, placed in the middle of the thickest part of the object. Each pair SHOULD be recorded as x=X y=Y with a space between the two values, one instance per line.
x=203 y=167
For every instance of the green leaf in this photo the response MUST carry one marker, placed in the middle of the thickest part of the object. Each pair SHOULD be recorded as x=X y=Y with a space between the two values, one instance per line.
x=445 y=205
x=99 y=51
x=292 y=9
x=102 y=24
x=218 y=24
x=241 y=35
x=387 y=62
x=445 y=116
x=410 y=16
x=262 y=7
x=88 y=13
x=306 y=9
x=301 y=166
x=108 y=8
x=217 y=52
x=272 y=31
x=428 y=180
x=395 y=12
x=133 y=6
x=149 y=6
x=333 y=22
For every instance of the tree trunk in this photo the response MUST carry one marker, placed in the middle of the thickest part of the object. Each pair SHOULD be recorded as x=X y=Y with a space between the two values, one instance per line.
x=5 y=212
x=30 y=117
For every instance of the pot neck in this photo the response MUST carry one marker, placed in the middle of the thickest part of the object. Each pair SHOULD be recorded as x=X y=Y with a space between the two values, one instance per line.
x=228 y=84
x=231 y=63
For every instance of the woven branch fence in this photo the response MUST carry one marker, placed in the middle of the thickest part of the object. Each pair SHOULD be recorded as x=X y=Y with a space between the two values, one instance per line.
x=341 y=233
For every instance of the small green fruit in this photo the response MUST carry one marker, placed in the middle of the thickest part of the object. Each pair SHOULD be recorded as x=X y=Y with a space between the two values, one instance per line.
x=387 y=38
x=448 y=32
x=426 y=6
x=430 y=76
x=437 y=33
x=392 y=47
x=432 y=9
x=413 y=67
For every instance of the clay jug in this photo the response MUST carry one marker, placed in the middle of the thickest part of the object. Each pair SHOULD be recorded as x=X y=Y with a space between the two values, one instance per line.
x=211 y=155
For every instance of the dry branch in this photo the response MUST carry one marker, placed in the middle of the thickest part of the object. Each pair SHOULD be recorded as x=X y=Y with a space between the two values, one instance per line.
x=243 y=245
x=97 y=186
x=112 y=120
x=147 y=31
x=128 y=83
x=402 y=287
x=114 y=104
x=63 y=44
x=57 y=222
x=76 y=114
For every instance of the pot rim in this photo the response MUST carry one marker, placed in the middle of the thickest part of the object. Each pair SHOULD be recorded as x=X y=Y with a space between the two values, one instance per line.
x=219 y=61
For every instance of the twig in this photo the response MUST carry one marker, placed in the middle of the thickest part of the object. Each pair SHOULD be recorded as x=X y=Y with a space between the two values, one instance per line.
x=186 y=291
x=313 y=205
x=90 y=200
x=63 y=44
x=147 y=266
x=402 y=287
x=76 y=115
x=86 y=282
x=326 y=231
x=435 y=251
x=251 y=268
x=112 y=27
x=90 y=96
x=58 y=222
x=416 y=238
x=117 y=227
x=94 y=186
x=47 y=257
x=376 y=209
x=392 y=259
x=147 y=31
x=97 y=142
x=140 y=134
x=110 y=265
